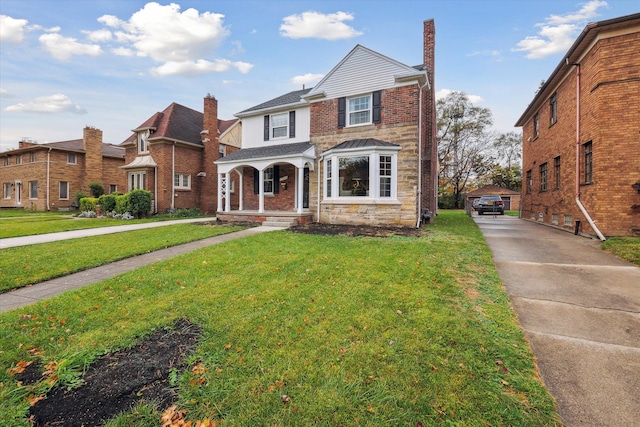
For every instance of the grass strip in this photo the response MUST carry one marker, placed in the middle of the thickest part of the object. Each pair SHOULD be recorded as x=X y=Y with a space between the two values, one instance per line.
x=27 y=265
x=627 y=248
x=356 y=331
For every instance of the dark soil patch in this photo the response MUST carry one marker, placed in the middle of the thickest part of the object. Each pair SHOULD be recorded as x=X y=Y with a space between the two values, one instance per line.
x=119 y=381
x=357 y=230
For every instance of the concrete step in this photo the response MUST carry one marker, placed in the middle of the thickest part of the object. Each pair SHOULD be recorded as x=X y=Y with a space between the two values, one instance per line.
x=283 y=222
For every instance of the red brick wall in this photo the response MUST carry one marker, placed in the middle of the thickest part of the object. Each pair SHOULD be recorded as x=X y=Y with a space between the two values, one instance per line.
x=283 y=201
x=609 y=117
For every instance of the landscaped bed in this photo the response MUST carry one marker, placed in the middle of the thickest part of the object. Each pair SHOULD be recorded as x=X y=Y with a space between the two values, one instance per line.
x=298 y=329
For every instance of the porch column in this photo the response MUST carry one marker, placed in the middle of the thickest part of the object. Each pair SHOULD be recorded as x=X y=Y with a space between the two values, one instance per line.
x=300 y=195
x=227 y=192
x=261 y=187
x=220 y=189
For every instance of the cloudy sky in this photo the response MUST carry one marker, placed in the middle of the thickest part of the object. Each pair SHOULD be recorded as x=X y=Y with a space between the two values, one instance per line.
x=111 y=64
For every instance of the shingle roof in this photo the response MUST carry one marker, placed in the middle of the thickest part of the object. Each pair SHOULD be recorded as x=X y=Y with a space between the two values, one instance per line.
x=267 y=152
x=78 y=146
x=286 y=99
x=223 y=125
x=361 y=143
x=175 y=122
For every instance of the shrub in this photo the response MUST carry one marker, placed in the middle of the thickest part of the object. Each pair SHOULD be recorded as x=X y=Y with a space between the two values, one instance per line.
x=88 y=204
x=140 y=202
x=96 y=189
x=122 y=204
x=186 y=213
x=80 y=195
x=107 y=202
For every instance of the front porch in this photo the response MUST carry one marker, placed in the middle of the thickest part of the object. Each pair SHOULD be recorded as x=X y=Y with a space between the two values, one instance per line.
x=284 y=218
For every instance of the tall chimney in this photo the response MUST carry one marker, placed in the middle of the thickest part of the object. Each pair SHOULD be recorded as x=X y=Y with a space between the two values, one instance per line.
x=429 y=147
x=92 y=144
x=211 y=143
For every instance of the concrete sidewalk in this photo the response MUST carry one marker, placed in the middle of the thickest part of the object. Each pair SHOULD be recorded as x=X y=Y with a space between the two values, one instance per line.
x=579 y=308
x=40 y=291
x=75 y=234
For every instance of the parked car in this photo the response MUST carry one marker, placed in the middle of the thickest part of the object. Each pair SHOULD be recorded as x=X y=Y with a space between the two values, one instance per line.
x=490 y=204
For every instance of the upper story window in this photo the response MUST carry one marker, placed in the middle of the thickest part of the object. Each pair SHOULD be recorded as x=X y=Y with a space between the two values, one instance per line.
x=7 y=161
x=529 y=182
x=359 y=110
x=72 y=158
x=32 y=157
x=587 y=150
x=19 y=159
x=222 y=150
x=279 y=126
x=556 y=167
x=143 y=144
x=543 y=177
x=536 y=126
x=553 y=106
x=182 y=181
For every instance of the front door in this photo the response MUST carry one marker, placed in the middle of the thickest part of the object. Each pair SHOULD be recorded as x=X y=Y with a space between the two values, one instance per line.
x=305 y=188
x=18 y=192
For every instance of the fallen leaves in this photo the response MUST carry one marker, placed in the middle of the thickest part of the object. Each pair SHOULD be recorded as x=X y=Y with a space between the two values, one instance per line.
x=174 y=417
x=20 y=367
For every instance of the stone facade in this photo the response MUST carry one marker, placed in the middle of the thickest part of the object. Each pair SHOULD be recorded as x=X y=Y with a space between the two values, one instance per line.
x=608 y=109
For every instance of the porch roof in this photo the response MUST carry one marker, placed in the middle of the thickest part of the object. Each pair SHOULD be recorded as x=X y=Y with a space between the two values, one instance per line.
x=268 y=152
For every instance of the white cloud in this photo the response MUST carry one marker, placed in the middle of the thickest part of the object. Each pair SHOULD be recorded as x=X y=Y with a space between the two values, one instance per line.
x=318 y=25
x=199 y=66
x=122 y=51
x=5 y=93
x=12 y=30
x=237 y=47
x=558 y=32
x=307 y=79
x=63 y=48
x=474 y=99
x=99 y=35
x=53 y=104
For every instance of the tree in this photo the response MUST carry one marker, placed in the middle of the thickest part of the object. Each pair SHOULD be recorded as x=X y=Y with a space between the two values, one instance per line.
x=464 y=143
x=505 y=170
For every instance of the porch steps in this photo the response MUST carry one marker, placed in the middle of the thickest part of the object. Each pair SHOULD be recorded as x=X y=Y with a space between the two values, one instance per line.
x=280 y=221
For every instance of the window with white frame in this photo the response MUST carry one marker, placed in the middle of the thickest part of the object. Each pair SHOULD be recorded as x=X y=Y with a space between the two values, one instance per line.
x=6 y=187
x=32 y=157
x=359 y=110
x=370 y=175
x=143 y=144
x=33 y=189
x=182 y=181
x=137 y=180
x=64 y=190
x=268 y=180
x=113 y=188
x=19 y=159
x=72 y=158
x=222 y=151
x=279 y=125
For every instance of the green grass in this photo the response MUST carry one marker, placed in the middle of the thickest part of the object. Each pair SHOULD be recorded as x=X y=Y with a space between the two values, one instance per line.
x=512 y=213
x=627 y=248
x=26 y=265
x=357 y=331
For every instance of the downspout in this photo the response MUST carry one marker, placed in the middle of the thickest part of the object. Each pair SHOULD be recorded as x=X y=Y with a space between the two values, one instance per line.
x=48 y=175
x=319 y=177
x=173 y=175
x=578 y=202
x=419 y=204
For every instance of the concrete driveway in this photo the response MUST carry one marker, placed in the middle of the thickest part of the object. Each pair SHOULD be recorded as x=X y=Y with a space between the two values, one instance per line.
x=579 y=308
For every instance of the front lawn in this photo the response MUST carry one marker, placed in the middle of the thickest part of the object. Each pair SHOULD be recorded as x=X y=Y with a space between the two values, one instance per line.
x=302 y=330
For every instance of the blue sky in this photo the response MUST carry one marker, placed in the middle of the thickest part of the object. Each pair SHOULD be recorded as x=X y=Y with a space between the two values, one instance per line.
x=111 y=64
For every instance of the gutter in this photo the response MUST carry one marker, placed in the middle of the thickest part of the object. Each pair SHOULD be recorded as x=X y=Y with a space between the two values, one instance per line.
x=578 y=202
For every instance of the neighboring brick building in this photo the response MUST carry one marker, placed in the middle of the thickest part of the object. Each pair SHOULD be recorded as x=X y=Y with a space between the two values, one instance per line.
x=172 y=153
x=48 y=176
x=581 y=135
x=358 y=148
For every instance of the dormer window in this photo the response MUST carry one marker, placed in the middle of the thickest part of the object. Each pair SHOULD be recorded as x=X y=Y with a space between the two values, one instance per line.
x=143 y=144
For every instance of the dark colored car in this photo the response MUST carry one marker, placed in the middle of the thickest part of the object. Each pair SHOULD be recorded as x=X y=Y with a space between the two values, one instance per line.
x=490 y=204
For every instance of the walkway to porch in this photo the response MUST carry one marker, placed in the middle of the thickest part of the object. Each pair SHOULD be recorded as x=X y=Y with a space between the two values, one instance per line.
x=274 y=218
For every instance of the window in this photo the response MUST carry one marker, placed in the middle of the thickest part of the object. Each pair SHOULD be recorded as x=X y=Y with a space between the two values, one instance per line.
x=556 y=170
x=32 y=157
x=553 y=106
x=222 y=151
x=71 y=158
x=282 y=125
x=529 y=182
x=19 y=159
x=182 y=181
x=113 y=188
x=268 y=180
x=587 y=150
x=367 y=175
x=359 y=110
x=554 y=219
x=64 y=190
x=33 y=189
x=7 y=160
x=6 y=190
x=536 y=126
x=143 y=144
x=568 y=220
x=543 y=177
x=137 y=180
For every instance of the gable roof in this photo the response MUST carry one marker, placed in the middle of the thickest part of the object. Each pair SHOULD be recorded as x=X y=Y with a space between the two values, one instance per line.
x=363 y=69
x=176 y=122
x=224 y=125
x=583 y=44
x=288 y=99
x=269 y=151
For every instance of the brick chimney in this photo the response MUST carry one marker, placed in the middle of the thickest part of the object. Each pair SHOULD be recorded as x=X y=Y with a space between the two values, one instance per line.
x=211 y=143
x=92 y=144
x=429 y=142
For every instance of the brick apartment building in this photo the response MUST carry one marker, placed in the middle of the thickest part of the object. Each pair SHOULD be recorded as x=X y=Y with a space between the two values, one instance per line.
x=171 y=155
x=48 y=176
x=581 y=135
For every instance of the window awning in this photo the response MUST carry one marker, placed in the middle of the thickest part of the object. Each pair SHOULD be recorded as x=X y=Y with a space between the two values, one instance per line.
x=141 y=162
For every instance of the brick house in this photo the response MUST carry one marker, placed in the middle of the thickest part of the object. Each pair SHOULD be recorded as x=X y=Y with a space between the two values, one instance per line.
x=358 y=148
x=171 y=154
x=581 y=135
x=48 y=176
